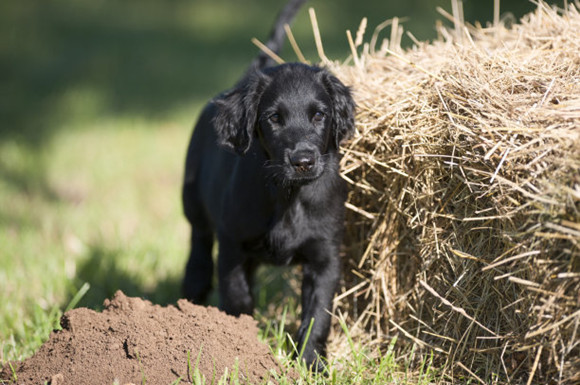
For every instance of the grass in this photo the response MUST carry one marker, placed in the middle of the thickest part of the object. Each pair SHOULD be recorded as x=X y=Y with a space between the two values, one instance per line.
x=70 y=237
x=357 y=365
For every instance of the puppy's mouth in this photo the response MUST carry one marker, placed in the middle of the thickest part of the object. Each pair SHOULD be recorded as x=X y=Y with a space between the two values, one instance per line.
x=302 y=176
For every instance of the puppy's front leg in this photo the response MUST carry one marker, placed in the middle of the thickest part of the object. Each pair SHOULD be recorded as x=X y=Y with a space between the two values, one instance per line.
x=320 y=282
x=234 y=279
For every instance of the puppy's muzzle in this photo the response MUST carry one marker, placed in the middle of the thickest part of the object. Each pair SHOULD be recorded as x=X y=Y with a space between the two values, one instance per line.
x=303 y=161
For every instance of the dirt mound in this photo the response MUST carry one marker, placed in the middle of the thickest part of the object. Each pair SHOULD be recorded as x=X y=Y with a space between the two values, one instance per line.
x=134 y=341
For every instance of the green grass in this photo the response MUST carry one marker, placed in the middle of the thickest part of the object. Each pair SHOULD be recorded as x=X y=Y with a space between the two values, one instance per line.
x=108 y=213
x=357 y=365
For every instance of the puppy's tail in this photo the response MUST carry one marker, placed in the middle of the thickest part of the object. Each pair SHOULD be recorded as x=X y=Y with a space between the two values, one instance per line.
x=278 y=34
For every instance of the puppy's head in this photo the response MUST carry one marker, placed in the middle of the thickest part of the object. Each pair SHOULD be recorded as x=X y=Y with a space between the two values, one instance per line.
x=299 y=113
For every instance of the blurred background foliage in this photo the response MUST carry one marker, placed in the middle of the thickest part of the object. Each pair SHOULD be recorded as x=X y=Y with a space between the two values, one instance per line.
x=67 y=60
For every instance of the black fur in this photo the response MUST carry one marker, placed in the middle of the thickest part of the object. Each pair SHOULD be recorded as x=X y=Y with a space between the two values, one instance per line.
x=262 y=175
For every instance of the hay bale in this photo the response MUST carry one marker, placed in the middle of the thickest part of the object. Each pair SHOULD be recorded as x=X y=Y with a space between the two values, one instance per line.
x=464 y=230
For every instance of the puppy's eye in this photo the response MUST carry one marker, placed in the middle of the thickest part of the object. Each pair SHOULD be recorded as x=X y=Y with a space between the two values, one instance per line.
x=318 y=117
x=274 y=118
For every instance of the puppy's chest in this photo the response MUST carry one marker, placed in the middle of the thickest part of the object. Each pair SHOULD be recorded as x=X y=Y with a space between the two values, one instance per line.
x=287 y=233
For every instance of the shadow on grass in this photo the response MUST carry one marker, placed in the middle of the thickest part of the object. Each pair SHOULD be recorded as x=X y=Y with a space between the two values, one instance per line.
x=103 y=271
x=70 y=60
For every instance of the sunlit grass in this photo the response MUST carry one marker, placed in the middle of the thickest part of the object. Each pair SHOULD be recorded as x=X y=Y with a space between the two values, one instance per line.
x=100 y=203
x=357 y=365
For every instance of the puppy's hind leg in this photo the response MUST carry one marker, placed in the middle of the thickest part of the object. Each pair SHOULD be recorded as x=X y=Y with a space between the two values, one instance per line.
x=235 y=273
x=199 y=270
x=197 y=282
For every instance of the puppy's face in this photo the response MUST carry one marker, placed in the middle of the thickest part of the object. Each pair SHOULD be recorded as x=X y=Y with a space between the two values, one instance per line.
x=294 y=125
x=298 y=113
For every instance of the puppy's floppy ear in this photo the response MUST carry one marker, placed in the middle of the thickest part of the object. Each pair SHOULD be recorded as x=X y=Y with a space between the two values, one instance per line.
x=343 y=107
x=237 y=112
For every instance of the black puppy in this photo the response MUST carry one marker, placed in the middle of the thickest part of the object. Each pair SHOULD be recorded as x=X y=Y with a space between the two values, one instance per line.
x=262 y=174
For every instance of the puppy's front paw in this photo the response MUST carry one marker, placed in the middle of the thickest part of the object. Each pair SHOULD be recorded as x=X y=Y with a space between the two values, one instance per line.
x=314 y=358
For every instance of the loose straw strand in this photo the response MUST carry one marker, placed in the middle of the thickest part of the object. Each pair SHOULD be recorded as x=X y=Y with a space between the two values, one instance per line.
x=268 y=51
x=294 y=45
x=317 y=37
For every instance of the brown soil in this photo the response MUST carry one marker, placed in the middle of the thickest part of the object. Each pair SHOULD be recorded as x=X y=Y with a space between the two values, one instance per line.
x=134 y=342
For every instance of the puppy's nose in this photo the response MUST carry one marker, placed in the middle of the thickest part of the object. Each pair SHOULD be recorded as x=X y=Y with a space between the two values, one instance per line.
x=303 y=161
